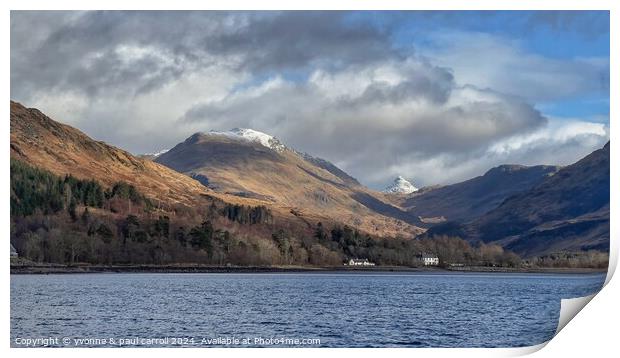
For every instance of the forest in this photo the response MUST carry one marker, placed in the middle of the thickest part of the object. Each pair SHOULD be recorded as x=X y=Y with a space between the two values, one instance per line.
x=66 y=220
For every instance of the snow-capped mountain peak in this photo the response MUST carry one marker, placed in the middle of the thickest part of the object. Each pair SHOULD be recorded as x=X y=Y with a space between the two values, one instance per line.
x=400 y=186
x=253 y=136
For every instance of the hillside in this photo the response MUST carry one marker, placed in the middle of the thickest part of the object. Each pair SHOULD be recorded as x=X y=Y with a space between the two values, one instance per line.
x=305 y=191
x=469 y=199
x=61 y=149
x=261 y=167
x=568 y=211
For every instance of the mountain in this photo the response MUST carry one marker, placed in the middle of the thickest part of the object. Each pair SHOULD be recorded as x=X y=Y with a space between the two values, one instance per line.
x=400 y=186
x=240 y=166
x=469 y=199
x=567 y=211
x=252 y=164
x=61 y=149
x=75 y=199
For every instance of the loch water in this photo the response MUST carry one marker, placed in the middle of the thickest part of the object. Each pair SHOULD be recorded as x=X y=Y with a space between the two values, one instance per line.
x=326 y=309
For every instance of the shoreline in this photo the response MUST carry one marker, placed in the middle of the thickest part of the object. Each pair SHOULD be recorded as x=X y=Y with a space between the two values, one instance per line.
x=26 y=269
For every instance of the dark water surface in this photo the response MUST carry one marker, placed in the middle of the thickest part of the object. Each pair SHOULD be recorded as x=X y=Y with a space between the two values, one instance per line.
x=339 y=309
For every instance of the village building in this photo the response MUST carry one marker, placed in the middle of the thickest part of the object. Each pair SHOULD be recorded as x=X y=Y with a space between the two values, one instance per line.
x=360 y=262
x=429 y=260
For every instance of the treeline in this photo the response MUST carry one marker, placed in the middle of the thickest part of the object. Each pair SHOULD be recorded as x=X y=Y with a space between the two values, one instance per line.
x=34 y=189
x=406 y=252
x=105 y=239
x=133 y=240
x=247 y=214
x=587 y=259
x=68 y=220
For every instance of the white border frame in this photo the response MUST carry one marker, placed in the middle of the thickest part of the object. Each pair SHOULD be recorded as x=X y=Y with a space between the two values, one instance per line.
x=593 y=330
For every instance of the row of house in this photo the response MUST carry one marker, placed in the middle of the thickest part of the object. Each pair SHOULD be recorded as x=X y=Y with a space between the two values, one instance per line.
x=427 y=260
x=359 y=262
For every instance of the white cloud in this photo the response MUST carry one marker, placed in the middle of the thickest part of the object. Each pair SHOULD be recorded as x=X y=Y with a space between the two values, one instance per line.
x=561 y=142
x=146 y=81
x=559 y=131
x=141 y=123
x=374 y=118
x=489 y=61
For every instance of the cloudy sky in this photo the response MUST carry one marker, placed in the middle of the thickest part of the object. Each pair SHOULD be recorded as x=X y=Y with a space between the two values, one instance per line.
x=437 y=97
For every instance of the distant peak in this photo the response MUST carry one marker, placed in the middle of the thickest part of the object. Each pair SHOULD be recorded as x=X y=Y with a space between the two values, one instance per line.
x=156 y=154
x=400 y=186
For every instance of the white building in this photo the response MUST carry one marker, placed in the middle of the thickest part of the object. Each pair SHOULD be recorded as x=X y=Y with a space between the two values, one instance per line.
x=429 y=260
x=360 y=262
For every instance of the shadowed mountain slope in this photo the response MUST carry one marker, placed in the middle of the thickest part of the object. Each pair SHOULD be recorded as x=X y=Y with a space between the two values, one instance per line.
x=568 y=211
x=469 y=199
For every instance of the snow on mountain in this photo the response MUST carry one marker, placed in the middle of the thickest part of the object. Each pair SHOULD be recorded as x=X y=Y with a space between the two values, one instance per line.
x=400 y=186
x=156 y=154
x=253 y=136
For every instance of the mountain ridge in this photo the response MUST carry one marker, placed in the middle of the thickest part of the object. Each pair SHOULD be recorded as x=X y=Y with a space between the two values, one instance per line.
x=471 y=198
x=62 y=149
x=286 y=177
x=566 y=211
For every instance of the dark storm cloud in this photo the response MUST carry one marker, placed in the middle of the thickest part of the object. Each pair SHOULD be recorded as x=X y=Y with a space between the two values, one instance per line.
x=82 y=51
x=298 y=39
